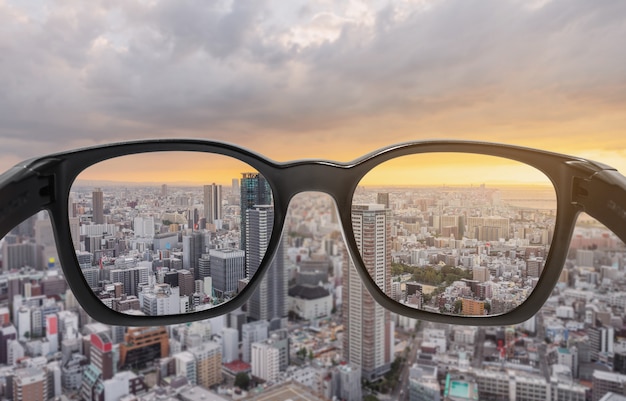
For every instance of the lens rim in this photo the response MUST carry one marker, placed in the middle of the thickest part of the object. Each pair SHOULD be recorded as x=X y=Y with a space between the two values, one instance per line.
x=547 y=181
x=172 y=157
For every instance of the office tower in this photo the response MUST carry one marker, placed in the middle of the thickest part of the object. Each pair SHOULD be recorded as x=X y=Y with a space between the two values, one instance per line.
x=16 y=256
x=269 y=301
x=97 y=206
x=130 y=278
x=230 y=344
x=193 y=248
x=185 y=282
x=382 y=198
x=204 y=266
x=164 y=190
x=255 y=190
x=251 y=333
x=212 y=203
x=228 y=266
x=368 y=334
x=143 y=227
x=142 y=345
x=234 y=186
x=208 y=363
x=101 y=354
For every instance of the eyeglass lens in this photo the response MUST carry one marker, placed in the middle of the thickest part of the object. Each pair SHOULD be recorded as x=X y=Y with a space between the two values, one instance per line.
x=172 y=232
x=451 y=233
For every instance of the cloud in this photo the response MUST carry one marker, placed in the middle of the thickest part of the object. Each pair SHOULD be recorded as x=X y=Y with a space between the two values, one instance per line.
x=253 y=72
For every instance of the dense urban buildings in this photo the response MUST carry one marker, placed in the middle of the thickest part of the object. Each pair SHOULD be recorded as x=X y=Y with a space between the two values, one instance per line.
x=311 y=327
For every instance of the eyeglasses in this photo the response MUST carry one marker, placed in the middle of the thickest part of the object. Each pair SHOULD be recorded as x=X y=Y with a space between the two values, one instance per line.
x=167 y=231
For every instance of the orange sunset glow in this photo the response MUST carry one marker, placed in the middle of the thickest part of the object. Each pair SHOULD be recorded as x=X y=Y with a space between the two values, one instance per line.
x=330 y=81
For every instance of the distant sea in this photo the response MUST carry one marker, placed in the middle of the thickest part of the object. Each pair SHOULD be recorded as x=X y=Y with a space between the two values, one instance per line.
x=529 y=197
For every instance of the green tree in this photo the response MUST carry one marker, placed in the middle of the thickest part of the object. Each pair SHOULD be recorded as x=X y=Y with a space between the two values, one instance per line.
x=242 y=380
x=458 y=306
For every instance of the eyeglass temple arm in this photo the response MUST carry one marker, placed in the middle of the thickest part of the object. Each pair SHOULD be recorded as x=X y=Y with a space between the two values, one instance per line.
x=24 y=190
x=603 y=197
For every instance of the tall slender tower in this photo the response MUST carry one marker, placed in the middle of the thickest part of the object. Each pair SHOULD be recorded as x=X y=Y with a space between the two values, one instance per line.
x=254 y=191
x=269 y=301
x=212 y=203
x=97 y=206
x=368 y=330
x=193 y=248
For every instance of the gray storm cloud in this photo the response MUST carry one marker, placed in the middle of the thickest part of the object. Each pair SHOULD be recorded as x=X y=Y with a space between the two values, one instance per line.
x=81 y=73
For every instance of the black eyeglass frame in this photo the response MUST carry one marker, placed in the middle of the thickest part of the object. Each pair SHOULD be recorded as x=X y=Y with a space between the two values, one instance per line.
x=581 y=186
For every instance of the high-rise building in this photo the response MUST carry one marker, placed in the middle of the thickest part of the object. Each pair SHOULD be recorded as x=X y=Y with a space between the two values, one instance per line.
x=264 y=361
x=255 y=190
x=250 y=333
x=368 y=333
x=186 y=366
x=382 y=198
x=30 y=384
x=52 y=331
x=130 y=278
x=97 y=206
x=193 y=248
x=212 y=203
x=101 y=354
x=186 y=283
x=269 y=301
x=204 y=266
x=142 y=345
x=16 y=256
x=7 y=333
x=605 y=382
x=348 y=386
x=228 y=266
x=230 y=344
x=208 y=363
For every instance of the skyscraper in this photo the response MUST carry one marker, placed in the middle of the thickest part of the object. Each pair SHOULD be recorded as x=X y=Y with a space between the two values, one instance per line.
x=255 y=190
x=97 y=206
x=212 y=203
x=383 y=199
x=193 y=248
x=102 y=354
x=228 y=266
x=368 y=333
x=269 y=301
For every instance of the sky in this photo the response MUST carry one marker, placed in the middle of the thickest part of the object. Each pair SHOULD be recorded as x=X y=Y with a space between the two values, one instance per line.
x=313 y=79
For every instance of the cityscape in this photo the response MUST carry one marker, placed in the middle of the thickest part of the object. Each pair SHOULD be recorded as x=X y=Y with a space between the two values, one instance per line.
x=311 y=331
